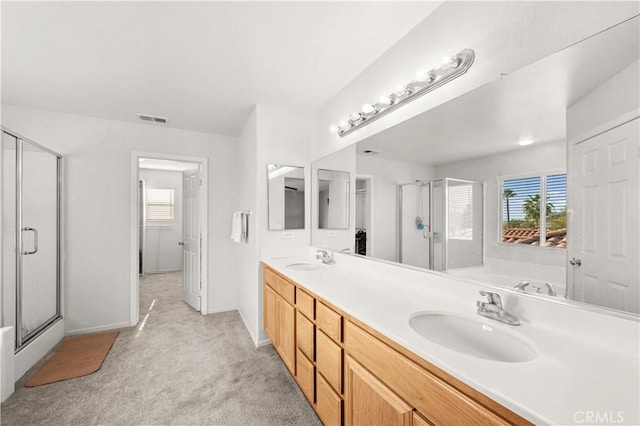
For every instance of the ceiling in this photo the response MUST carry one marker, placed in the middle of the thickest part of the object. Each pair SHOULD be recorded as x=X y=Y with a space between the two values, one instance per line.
x=201 y=64
x=527 y=104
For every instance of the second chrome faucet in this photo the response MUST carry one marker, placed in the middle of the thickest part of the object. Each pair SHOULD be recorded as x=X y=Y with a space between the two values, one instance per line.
x=493 y=309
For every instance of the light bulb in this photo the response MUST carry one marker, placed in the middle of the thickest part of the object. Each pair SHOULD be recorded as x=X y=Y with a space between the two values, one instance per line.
x=344 y=126
x=368 y=108
x=385 y=100
x=450 y=62
x=422 y=75
x=354 y=117
x=401 y=90
x=333 y=129
x=525 y=142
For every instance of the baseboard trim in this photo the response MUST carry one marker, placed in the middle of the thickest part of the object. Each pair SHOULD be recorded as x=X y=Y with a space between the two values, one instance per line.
x=253 y=339
x=218 y=310
x=264 y=342
x=97 y=329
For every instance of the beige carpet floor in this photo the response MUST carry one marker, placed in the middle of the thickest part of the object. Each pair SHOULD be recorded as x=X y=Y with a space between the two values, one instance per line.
x=181 y=368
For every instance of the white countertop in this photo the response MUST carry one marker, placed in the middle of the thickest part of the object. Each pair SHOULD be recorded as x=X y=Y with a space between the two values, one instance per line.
x=587 y=370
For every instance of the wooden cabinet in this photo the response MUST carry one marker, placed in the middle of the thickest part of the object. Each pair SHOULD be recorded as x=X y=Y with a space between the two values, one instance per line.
x=286 y=334
x=353 y=375
x=438 y=401
x=279 y=317
x=306 y=376
x=328 y=403
x=305 y=304
x=329 y=360
x=418 y=420
x=330 y=322
x=305 y=336
x=370 y=402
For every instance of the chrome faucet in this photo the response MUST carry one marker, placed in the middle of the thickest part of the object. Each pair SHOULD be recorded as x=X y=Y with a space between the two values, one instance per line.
x=493 y=309
x=521 y=285
x=550 y=290
x=326 y=258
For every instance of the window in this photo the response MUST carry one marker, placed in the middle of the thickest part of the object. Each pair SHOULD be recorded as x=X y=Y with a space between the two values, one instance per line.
x=159 y=204
x=460 y=211
x=527 y=221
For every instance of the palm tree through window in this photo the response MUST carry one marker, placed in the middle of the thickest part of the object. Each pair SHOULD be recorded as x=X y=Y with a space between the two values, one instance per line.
x=526 y=220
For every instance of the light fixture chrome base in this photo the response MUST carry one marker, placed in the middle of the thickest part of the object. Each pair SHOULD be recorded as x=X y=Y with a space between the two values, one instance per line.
x=426 y=82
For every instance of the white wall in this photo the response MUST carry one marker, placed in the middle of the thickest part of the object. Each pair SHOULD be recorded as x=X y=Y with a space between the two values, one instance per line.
x=523 y=161
x=505 y=36
x=161 y=250
x=387 y=175
x=612 y=99
x=270 y=136
x=97 y=212
x=283 y=137
x=246 y=254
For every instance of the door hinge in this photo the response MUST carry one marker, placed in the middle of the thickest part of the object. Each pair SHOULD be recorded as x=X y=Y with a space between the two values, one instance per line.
x=200 y=182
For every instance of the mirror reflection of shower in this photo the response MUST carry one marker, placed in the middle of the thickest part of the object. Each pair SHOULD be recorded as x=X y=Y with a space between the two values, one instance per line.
x=440 y=224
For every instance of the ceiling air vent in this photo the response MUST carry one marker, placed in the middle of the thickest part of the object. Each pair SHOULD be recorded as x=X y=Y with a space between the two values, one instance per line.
x=154 y=119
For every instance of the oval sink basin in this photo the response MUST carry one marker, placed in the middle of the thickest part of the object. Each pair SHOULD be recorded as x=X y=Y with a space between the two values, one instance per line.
x=471 y=337
x=306 y=266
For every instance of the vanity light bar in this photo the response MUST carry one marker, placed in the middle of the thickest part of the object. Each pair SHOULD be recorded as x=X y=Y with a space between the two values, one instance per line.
x=425 y=81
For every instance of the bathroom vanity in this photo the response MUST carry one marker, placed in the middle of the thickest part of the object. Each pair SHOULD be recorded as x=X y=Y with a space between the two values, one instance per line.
x=351 y=336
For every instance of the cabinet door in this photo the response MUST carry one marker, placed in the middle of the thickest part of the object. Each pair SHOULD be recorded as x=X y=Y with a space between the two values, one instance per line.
x=328 y=403
x=287 y=334
x=369 y=402
x=271 y=315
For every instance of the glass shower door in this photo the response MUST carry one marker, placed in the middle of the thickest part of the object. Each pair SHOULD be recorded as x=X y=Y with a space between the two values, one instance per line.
x=38 y=242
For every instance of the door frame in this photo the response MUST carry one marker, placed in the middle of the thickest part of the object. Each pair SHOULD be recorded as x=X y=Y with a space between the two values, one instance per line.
x=134 y=297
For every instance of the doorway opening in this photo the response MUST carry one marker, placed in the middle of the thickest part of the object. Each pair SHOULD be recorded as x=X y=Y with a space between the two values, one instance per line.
x=169 y=224
x=364 y=211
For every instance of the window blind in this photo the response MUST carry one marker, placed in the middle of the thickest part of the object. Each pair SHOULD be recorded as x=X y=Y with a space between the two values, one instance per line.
x=160 y=204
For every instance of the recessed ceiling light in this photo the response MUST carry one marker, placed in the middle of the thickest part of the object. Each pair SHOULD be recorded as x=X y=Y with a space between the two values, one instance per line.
x=525 y=142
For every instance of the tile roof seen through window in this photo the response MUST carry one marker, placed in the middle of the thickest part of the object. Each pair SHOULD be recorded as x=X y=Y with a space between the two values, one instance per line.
x=531 y=236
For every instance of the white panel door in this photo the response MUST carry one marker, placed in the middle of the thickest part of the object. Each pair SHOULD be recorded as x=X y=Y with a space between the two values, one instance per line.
x=606 y=223
x=191 y=238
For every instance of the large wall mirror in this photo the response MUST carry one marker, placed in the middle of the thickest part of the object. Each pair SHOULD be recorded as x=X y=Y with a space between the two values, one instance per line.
x=286 y=197
x=529 y=182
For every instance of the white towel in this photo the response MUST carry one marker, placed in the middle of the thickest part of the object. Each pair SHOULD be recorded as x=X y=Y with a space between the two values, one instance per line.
x=236 y=227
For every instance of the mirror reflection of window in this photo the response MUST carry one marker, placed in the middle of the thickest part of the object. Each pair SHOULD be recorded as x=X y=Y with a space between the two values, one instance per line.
x=286 y=197
x=333 y=199
x=526 y=220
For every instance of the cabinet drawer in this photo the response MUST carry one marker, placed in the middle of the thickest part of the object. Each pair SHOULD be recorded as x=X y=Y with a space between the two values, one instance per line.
x=439 y=402
x=279 y=284
x=305 y=336
x=328 y=403
x=306 y=376
x=305 y=304
x=329 y=360
x=418 y=420
x=329 y=321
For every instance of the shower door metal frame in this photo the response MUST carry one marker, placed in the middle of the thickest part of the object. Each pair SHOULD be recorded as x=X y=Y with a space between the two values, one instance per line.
x=444 y=238
x=20 y=340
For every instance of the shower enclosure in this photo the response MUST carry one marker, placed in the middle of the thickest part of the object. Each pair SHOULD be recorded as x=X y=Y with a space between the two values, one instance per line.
x=31 y=189
x=441 y=223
